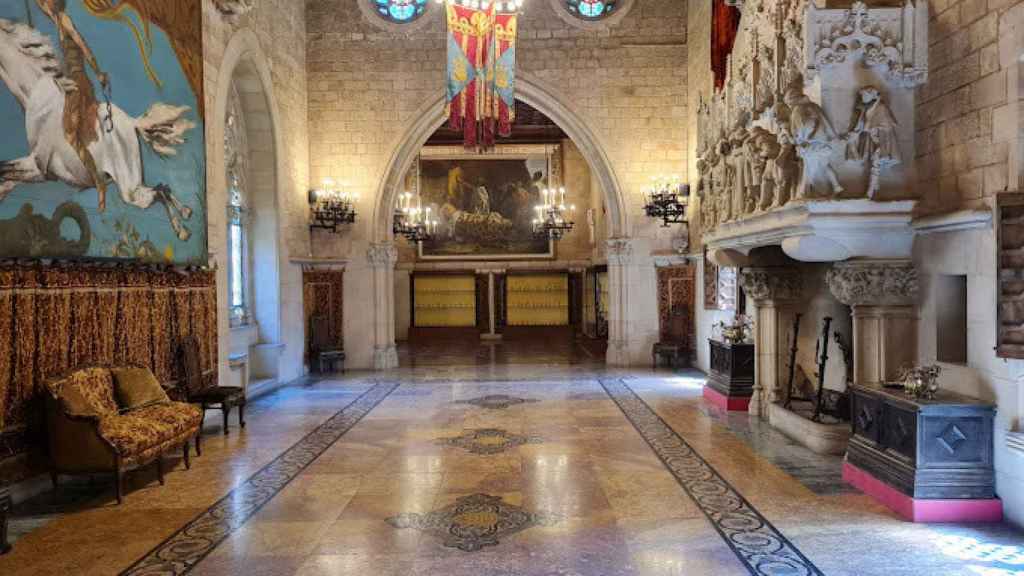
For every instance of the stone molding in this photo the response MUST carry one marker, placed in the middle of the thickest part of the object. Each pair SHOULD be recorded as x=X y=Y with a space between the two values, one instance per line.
x=558 y=6
x=765 y=284
x=382 y=255
x=874 y=283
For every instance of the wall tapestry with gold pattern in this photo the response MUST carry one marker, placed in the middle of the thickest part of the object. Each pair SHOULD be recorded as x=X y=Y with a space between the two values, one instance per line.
x=323 y=294
x=538 y=299
x=676 y=301
x=55 y=318
x=444 y=301
x=102 y=109
x=485 y=203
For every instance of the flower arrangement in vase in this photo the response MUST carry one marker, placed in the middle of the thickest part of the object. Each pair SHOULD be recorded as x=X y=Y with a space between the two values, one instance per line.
x=738 y=331
x=921 y=382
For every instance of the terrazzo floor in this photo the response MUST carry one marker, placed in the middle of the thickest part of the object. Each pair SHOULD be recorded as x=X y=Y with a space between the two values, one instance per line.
x=550 y=468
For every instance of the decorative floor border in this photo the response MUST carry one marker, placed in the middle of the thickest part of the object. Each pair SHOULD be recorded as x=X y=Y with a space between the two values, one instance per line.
x=755 y=541
x=181 y=551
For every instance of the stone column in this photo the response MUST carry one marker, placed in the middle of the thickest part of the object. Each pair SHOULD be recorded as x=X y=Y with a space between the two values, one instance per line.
x=620 y=256
x=775 y=293
x=882 y=294
x=382 y=259
x=492 y=301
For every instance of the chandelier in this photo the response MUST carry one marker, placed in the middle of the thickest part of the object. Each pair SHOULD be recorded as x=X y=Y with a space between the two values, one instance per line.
x=330 y=207
x=666 y=199
x=412 y=220
x=554 y=218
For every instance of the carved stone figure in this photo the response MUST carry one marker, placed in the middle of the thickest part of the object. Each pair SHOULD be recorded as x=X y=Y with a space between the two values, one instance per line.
x=766 y=149
x=705 y=191
x=872 y=137
x=722 y=182
x=815 y=141
x=785 y=170
x=742 y=174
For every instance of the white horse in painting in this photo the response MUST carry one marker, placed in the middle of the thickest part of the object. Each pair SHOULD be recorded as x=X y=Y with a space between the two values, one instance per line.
x=31 y=69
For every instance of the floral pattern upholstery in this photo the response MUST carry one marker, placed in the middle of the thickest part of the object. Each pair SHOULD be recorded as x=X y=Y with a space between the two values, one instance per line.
x=149 y=428
x=96 y=385
x=139 y=435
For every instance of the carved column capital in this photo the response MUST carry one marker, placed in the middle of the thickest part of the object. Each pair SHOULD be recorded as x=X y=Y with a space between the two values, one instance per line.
x=620 y=251
x=874 y=283
x=382 y=255
x=775 y=283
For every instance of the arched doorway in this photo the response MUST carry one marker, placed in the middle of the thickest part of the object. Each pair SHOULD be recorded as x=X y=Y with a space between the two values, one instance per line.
x=425 y=123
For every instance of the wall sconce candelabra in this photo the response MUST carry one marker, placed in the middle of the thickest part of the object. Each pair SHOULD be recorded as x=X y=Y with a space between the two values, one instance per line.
x=554 y=218
x=412 y=220
x=330 y=207
x=667 y=199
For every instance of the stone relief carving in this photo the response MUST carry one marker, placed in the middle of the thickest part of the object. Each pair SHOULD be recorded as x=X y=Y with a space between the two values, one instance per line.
x=872 y=138
x=878 y=37
x=234 y=9
x=874 y=283
x=815 y=140
x=762 y=284
x=769 y=137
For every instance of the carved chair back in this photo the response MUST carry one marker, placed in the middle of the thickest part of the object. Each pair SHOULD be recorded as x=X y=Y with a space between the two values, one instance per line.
x=191 y=367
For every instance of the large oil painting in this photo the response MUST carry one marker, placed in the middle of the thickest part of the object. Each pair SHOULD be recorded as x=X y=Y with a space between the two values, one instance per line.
x=102 y=154
x=486 y=203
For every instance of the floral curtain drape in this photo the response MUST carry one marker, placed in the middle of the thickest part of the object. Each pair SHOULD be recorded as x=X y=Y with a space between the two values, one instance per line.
x=55 y=318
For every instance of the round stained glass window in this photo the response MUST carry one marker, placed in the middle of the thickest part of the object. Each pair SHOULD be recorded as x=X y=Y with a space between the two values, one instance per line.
x=400 y=11
x=591 y=9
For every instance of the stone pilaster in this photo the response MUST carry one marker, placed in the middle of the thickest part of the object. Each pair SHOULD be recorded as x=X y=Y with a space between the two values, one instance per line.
x=775 y=293
x=382 y=259
x=620 y=256
x=882 y=294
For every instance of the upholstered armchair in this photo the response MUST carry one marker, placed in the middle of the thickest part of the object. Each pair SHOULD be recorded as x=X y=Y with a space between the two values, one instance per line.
x=114 y=420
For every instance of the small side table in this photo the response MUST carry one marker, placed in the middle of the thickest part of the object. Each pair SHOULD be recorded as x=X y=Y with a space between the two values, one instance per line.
x=673 y=351
x=5 y=508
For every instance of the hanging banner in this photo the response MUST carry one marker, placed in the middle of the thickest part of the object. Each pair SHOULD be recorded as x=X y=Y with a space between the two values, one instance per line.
x=505 y=28
x=469 y=44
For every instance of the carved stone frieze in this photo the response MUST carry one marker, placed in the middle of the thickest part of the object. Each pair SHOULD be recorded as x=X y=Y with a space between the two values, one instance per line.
x=233 y=9
x=886 y=37
x=776 y=283
x=382 y=255
x=866 y=283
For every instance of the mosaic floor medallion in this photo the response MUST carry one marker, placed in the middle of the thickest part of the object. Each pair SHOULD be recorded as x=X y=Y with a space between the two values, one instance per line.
x=474 y=522
x=497 y=401
x=487 y=441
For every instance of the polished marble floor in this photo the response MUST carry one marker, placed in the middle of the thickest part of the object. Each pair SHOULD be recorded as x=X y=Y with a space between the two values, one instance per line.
x=484 y=469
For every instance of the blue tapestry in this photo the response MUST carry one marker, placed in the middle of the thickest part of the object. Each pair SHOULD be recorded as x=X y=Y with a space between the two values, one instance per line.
x=102 y=111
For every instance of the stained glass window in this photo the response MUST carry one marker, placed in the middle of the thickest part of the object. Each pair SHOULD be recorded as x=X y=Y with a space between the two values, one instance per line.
x=591 y=9
x=400 y=11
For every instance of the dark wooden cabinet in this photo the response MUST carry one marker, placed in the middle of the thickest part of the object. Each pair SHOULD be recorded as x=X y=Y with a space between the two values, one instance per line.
x=732 y=369
x=928 y=449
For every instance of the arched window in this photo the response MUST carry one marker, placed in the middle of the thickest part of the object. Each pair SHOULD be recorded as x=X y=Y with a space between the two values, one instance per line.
x=399 y=11
x=236 y=155
x=591 y=9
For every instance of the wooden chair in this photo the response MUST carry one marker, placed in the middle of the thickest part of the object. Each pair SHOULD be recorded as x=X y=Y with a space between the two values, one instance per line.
x=323 y=349
x=208 y=397
x=676 y=347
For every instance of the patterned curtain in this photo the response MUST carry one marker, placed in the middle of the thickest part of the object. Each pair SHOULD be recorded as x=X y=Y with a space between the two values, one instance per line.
x=59 y=317
x=725 y=23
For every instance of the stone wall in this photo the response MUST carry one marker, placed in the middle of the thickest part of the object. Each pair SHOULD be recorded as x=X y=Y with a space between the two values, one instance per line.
x=272 y=39
x=967 y=126
x=368 y=82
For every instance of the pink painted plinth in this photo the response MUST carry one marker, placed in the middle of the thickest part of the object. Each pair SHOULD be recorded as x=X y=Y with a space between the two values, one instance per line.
x=727 y=403
x=919 y=510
